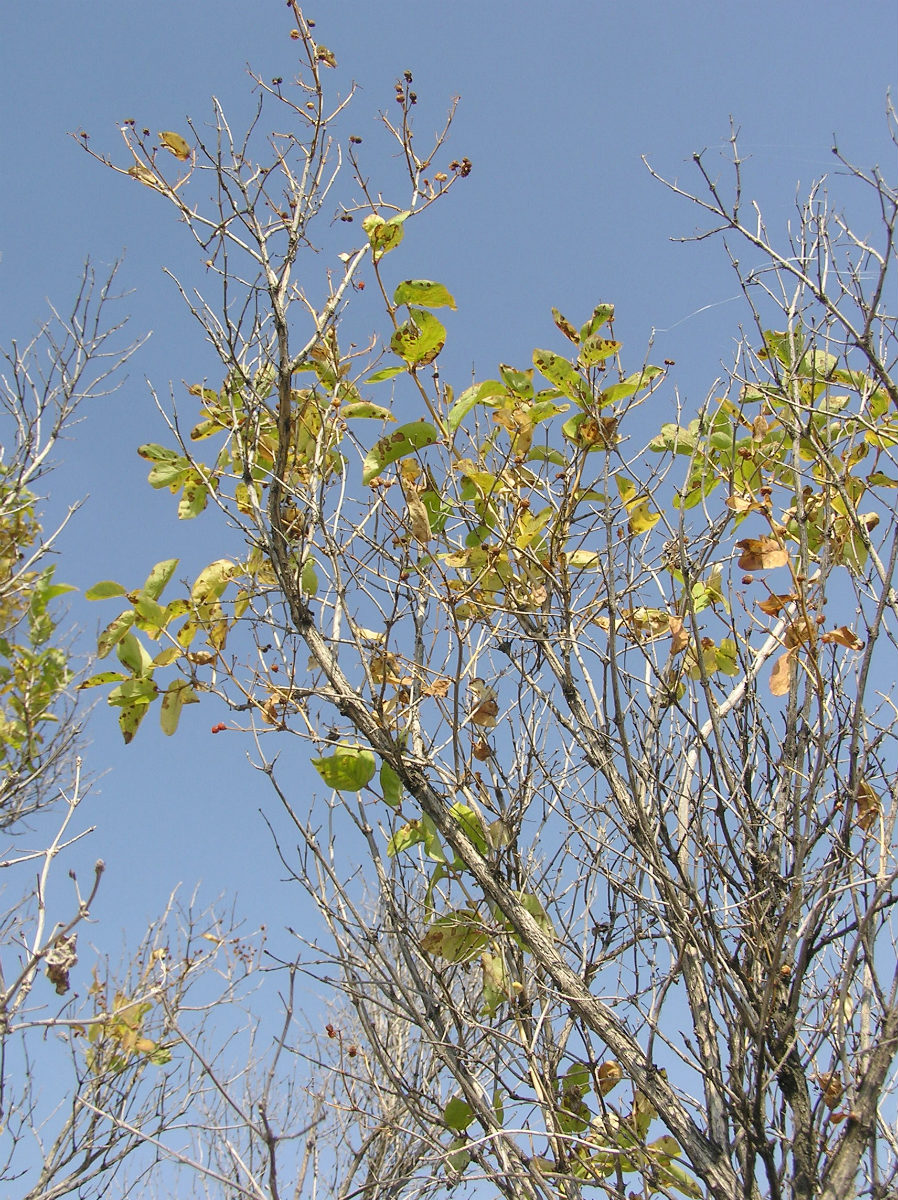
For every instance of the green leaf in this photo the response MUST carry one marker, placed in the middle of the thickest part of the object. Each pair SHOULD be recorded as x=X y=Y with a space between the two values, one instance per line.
x=384 y=235
x=496 y=988
x=193 y=498
x=438 y=510
x=349 y=769
x=594 y=350
x=410 y=834
x=385 y=373
x=156 y=453
x=390 y=785
x=364 y=409
x=518 y=382
x=533 y=905
x=457 y=937
x=786 y=347
x=423 y=292
x=167 y=656
x=158 y=578
x=114 y=632
x=177 y=694
x=129 y=720
x=676 y=439
x=559 y=372
x=479 y=393
x=459 y=1156
x=600 y=315
x=392 y=446
x=150 y=616
x=308 y=579
x=471 y=825
x=102 y=677
x=545 y=454
x=134 y=691
x=458 y=1114
x=106 y=589
x=630 y=386
x=212 y=581
x=420 y=339
x=131 y=654
x=415 y=832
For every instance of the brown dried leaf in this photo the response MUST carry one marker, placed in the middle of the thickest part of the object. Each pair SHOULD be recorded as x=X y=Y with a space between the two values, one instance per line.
x=485 y=714
x=761 y=554
x=418 y=520
x=486 y=707
x=781 y=675
x=482 y=750
x=843 y=636
x=869 y=806
x=774 y=604
x=759 y=427
x=741 y=503
x=438 y=689
x=832 y=1087
x=60 y=959
x=679 y=636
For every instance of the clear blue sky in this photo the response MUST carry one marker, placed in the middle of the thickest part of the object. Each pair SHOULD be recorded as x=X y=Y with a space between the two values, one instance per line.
x=558 y=104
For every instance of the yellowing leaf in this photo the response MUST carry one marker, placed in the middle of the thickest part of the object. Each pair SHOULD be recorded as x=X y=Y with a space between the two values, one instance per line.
x=609 y=1076
x=175 y=144
x=642 y=519
x=143 y=175
x=644 y=622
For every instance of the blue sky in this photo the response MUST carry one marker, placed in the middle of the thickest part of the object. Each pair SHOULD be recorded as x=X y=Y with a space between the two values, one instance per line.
x=558 y=105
